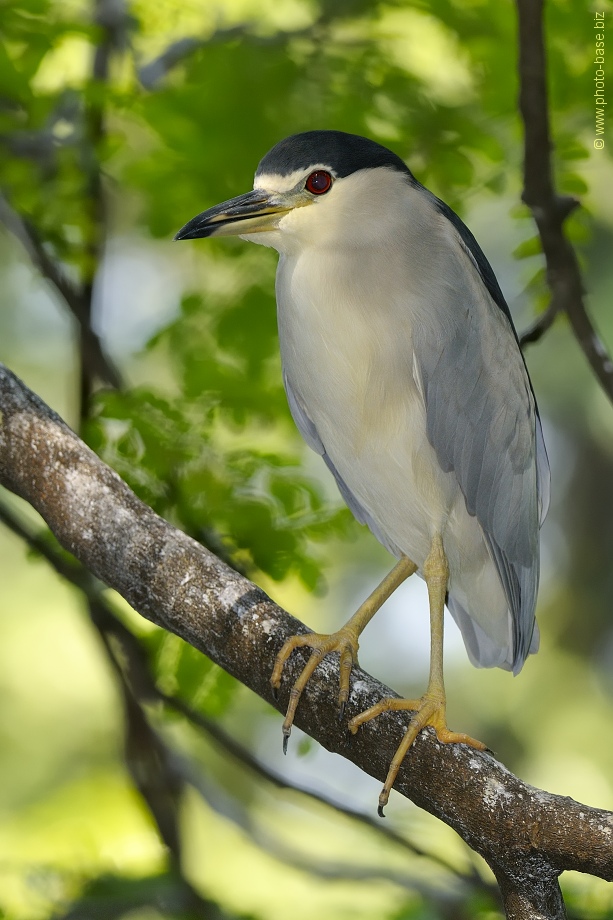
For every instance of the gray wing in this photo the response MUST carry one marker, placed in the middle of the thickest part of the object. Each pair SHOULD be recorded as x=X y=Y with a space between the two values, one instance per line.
x=308 y=431
x=483 y=423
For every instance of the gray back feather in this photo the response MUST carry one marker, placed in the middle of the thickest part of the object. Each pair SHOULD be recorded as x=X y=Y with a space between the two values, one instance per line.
x=483 y=423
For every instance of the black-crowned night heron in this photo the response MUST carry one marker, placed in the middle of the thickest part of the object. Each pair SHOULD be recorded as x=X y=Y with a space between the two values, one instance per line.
x=403 y=370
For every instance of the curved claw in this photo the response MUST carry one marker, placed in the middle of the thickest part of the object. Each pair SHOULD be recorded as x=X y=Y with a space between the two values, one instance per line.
x=429 y=711
x=286 y=733
x=345 y=641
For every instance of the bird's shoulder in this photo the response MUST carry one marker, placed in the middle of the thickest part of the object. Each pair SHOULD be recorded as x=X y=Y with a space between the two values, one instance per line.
x=473 y=250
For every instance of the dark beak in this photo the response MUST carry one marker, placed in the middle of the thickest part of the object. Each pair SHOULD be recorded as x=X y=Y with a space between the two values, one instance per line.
x=254 y=212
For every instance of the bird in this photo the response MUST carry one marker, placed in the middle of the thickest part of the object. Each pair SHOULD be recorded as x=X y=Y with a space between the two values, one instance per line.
x=403 y=371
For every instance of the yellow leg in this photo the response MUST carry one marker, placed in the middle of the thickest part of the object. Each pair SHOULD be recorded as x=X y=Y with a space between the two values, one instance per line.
x=345 y=641
x=430 y=709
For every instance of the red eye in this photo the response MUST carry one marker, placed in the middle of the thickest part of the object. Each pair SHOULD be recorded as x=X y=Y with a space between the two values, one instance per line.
x=319 y=182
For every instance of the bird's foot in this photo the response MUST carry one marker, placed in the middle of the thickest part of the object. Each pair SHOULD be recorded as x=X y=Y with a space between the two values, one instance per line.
x=428 y=711
x=345 y=642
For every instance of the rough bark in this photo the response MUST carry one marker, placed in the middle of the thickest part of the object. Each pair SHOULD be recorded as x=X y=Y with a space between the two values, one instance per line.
x=527 y=836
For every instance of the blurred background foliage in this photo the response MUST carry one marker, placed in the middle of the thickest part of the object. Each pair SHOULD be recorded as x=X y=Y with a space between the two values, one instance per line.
x=121 y=794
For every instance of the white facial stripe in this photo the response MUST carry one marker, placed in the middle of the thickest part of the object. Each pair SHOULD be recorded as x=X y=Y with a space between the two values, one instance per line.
x=274 y=182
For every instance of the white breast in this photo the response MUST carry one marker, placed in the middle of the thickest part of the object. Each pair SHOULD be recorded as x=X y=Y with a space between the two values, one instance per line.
x=350 y=364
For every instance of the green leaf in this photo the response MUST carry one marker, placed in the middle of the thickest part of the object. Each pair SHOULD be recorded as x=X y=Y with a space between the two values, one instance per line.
x=528 y=248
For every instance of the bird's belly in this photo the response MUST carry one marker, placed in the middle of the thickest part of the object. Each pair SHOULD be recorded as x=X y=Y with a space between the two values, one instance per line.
x=352 y=372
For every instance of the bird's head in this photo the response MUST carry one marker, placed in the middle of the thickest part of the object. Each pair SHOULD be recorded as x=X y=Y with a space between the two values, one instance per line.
x=311 y=187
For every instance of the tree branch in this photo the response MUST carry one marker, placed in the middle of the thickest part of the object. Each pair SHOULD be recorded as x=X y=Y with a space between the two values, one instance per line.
x=526 y=835
x=243 y=756
x=151 y=73
x=549 y=209
x=155 y=770
x=539 y=327
x=73 y=295
x=136 y=678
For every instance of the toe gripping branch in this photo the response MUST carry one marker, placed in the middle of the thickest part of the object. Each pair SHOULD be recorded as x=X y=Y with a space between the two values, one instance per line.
x=345 y=641
x=427 y=711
